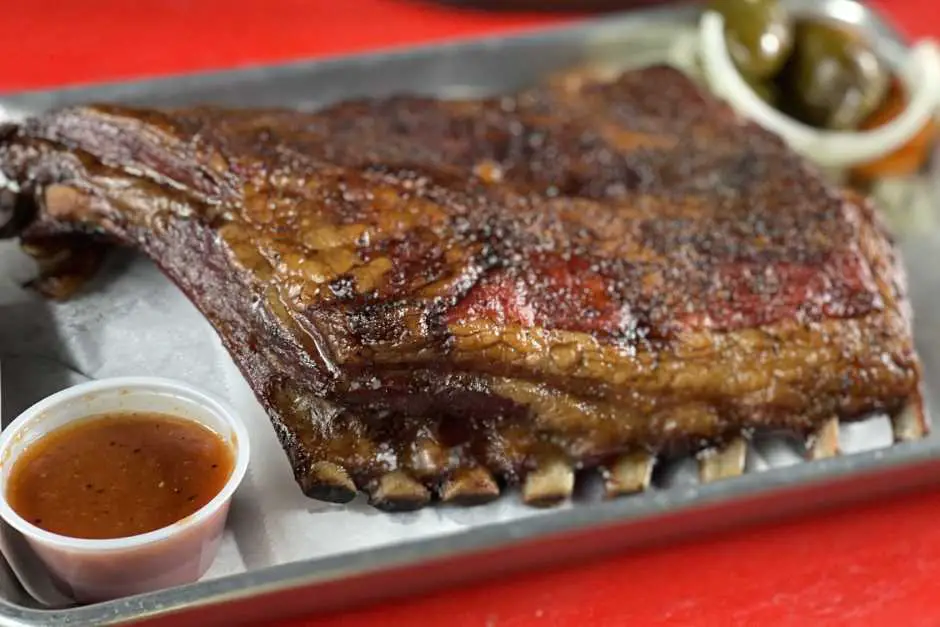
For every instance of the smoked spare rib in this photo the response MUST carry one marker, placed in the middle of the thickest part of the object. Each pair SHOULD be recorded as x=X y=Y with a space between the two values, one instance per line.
x=439 y=298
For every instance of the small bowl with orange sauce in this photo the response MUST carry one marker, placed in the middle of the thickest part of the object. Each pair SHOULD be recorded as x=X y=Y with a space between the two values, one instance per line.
x=122 y=486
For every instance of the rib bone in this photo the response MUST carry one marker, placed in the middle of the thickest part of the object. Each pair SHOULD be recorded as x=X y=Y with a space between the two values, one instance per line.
x=327 y=481
x=549 y=484
x=825 y=441
x=397 y=492
x=910 y=424
x=628 y=474
x=723 y=463
x=469 y=486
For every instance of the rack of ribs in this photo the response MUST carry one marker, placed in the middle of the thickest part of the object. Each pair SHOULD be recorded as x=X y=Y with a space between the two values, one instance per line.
x=438 y=299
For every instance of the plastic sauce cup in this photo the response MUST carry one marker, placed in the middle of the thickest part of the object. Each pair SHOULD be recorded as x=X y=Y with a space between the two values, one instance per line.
x=98 y=570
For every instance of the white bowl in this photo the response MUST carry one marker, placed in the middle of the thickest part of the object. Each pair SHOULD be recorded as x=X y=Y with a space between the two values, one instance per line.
x=918 y=71
x=97 y=570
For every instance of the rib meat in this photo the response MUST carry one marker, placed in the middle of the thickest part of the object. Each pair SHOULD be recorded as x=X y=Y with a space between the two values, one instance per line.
x=437 y=297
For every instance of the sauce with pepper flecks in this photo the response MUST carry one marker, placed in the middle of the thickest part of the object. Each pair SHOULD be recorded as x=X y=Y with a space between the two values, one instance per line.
x=119 y=475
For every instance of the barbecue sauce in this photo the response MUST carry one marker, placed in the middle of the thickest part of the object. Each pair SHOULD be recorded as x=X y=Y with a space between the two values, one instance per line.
x=119 y=475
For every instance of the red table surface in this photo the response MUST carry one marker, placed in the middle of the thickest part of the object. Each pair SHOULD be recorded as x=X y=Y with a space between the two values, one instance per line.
x=872 y=565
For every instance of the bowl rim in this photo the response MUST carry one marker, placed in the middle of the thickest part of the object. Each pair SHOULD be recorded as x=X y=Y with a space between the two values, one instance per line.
x=917 y=67
x=156 y=386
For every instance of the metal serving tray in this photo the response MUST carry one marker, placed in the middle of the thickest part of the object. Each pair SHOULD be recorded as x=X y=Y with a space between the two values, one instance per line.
x=492 y=66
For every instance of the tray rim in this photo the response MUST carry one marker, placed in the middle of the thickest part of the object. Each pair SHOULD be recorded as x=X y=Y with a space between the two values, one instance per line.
x=174 y=603
x=574 y=29
x=576 y=26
